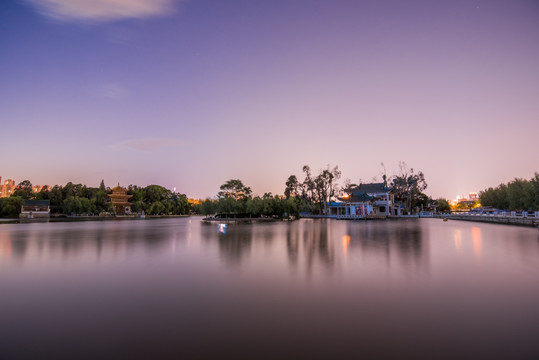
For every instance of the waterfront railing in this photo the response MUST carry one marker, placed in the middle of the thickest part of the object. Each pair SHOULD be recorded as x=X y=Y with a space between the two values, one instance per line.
x=501 y=214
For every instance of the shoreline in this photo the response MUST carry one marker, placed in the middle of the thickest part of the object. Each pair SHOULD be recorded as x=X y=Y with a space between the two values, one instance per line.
x=494 y=219
x=491 y=219
x=65 y=218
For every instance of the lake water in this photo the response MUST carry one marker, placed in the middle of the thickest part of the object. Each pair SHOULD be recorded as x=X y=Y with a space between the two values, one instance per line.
x=179 y=289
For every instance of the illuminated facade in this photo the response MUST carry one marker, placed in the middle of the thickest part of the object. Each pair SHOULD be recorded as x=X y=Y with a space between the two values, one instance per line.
x=7 y=188
x=120 y=200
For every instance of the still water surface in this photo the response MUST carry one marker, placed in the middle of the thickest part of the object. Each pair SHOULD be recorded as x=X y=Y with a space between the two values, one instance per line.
x=176 y=288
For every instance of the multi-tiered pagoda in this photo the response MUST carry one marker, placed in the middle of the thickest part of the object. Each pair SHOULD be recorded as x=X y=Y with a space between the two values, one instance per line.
x=120 y=200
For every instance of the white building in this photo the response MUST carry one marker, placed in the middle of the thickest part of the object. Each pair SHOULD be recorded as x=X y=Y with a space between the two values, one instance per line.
x=374 y=199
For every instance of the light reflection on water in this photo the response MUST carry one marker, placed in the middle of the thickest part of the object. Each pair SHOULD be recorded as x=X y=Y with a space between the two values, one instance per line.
x=476 y=239
x=312 y=288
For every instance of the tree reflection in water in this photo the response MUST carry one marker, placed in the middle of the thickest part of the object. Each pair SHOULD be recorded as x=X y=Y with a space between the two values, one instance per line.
x=317 y=245
x=399 y=240
x=66 y=240
x=306 y=241
x=236 y=242
x=292 y=243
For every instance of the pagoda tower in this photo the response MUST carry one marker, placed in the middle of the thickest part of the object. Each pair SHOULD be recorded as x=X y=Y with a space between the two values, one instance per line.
x=120 y=200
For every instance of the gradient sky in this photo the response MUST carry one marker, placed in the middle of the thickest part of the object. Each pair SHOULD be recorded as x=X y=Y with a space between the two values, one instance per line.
x=189 y=94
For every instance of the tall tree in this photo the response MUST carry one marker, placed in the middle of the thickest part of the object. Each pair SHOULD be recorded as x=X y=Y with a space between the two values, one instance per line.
x=408 y=186
x=234 y=188
x=24 y=190
x=308 y=186
x=325 y=184
x=292 y=187
x=443 y=205
x=314 y=192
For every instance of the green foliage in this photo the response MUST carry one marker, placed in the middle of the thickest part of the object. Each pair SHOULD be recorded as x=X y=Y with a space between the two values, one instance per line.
x=207 y=207
x=79 y=199
x=137 y=192
x=235 y=189
x=56 y=196
x=443 y=205
x=292 y=187
x=157 y=200
x=138 y=206
x=24 y=190
x=235 y=198
x=153 y=193
x=10 y=206
x=102 y=186
x=156 y=208
x=518 y=194
x=408 y=187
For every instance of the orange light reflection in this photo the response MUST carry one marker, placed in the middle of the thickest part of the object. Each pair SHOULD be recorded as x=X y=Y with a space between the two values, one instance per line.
x=345 y=243
x=476 y=240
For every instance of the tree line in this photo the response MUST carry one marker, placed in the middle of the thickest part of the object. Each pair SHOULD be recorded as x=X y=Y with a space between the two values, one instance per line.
x=519 y=194
x=312 y=194
x=236 y=200
x=78 y=199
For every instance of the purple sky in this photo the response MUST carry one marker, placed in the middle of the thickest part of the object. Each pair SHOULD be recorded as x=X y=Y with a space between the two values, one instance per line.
x=189 y=94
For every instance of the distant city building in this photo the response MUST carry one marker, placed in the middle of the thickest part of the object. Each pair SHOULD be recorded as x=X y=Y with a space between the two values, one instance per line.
x=7 y=188
x=120 y=200
x=472 y=196
x=471 y=201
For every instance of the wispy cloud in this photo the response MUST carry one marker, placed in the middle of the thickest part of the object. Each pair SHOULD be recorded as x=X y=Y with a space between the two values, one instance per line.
x=150 y=144
x=114 y=91
x=101 y=10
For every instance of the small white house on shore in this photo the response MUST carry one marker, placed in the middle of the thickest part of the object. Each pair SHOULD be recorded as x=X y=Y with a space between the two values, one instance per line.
x=375 y=199
x=33 y=209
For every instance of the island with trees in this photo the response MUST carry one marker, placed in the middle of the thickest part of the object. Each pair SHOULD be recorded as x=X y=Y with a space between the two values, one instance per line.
x=311 y=196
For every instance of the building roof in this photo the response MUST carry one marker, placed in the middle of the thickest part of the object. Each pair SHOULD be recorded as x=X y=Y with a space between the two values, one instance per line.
x=36 y=202
x=356 y=197
x=360 y=197
x=119 y=189
x=371 y=188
